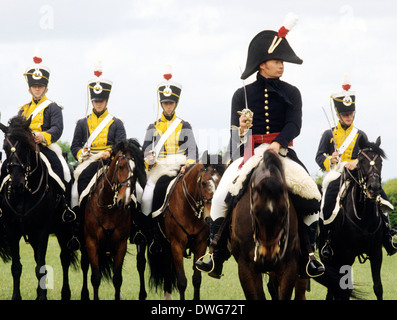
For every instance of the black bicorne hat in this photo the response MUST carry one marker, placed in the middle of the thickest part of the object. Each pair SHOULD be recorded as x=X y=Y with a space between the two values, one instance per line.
x=269 y=45
x=99 y=88
x=344 y=101
x=169 y=90
x=37 y=74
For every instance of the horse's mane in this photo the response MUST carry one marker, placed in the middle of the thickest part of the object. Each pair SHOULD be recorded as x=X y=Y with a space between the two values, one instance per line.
x=19 y=129
x=218 y=166
x=269 y=176
x=375 y=147
x=136 y=150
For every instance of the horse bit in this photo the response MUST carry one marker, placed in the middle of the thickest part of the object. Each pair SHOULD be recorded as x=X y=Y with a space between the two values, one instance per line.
x=198 y=205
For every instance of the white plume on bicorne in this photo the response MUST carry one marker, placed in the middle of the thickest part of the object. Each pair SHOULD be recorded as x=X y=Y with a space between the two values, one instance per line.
x=290 y=21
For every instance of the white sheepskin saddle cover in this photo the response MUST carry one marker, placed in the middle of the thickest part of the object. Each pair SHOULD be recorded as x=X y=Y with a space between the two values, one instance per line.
x=299 y=182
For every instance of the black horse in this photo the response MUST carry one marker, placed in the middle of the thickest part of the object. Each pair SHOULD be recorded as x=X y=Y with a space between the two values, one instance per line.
x=30 y=208
x=357 y=229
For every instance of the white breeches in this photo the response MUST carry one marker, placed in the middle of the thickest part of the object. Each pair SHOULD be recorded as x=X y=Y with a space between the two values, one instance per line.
x=219 y=208
x=147 y=197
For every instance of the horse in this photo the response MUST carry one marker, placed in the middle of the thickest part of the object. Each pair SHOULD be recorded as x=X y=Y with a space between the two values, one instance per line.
x=184 y=227
x=107 y=216
x=357 y=229
x=30 y=208
x=264 y=234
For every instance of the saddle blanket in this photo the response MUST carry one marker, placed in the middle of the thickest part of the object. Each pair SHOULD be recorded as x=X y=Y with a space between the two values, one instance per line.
x=299 y=182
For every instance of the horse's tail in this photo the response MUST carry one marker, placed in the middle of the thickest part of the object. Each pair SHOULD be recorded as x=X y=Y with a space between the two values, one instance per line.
x=162 y=269
x=5 y=251
x=105 y=264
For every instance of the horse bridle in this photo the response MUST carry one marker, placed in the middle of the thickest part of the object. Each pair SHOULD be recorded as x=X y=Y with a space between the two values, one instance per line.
x=283 y=235
x=27 y=172
x=198 y=205
x=116 y=185
x=373 y=171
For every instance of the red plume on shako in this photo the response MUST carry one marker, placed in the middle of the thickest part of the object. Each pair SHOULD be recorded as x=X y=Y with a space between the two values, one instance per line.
x=344 y=101
x=37 y=74
x=99 y=88
x=169 y=90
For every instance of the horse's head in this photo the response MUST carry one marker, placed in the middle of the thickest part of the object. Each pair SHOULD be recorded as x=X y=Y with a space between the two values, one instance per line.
x=18 y=146
x=269 y=207
x=128 y=167
x=370 y=167
x=211 y=173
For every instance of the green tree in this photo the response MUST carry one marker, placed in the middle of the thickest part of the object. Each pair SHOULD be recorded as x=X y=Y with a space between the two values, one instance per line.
x=65 y=146
x=390 y=187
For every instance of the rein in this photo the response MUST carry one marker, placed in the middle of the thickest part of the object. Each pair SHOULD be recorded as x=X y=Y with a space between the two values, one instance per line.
x=360 y=181
x=27 y=173
x=114 y=185
x=283 y=235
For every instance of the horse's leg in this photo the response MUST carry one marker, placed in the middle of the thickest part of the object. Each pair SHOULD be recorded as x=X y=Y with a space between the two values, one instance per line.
x=39 y=245
x=16 y=269
x=300 y=289
x=66 y=258
x=251 y=281
x=177 y=254
x=84 y=267
x=117 y=268
x=92 y=252
x=286 y=279
x=376 y=264
x=141 y=264
x=196 y=279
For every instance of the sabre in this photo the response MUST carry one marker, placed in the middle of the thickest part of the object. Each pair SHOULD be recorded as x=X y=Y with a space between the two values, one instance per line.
x=332 y=131
x=246 y=111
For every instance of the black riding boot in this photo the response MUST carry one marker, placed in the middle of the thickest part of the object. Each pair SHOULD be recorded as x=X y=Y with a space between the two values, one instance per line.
x=74 y=243
x=388 y=243
x=214 y=265
x=141 y=228
x=309 y=265
x=326 y=251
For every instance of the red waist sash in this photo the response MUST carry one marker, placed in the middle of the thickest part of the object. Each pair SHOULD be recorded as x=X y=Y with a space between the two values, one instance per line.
x=258 y=138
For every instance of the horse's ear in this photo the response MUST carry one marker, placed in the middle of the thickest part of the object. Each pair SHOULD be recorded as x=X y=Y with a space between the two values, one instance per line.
x=28 y=121
x=3 y=128
x=378 y=141
x=362 y=142
x=205 y=158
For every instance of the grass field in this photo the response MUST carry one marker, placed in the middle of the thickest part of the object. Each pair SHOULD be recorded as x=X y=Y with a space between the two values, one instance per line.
x=227 y=288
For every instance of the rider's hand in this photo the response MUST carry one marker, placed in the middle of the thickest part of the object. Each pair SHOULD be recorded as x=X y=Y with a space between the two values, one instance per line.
x=334 y=157
x=106 y=155
x=275 y=147
x=351 y=165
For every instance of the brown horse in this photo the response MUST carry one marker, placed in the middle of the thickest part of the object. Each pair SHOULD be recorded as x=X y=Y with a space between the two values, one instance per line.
x=107 y=219
x=265 y=233
x=184 y=228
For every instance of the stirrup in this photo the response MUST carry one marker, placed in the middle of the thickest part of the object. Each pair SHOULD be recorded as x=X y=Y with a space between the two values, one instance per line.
x=73 y=214
x=211 y=255
x=330 y=249
x=311 y=259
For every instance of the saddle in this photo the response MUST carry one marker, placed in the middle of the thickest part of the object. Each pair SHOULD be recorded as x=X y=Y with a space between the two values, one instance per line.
x=298 y=180
x=162 y=193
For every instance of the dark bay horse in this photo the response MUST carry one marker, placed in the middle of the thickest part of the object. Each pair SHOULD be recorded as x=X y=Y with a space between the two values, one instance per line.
x=30 y=207
x=264 y=235
x=107 y=219
x=184 y=227
x=357 y=229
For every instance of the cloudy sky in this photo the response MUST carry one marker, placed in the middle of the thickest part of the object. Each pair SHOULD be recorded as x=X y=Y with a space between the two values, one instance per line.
x=206 y=43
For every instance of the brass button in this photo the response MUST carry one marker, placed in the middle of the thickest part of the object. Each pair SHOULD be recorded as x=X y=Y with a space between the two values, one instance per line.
x=266 y=108
x=265 y=90
x=266 y=95
x=266 y=102
x=267 y=128
x=267 y=114
x=267 y=120
x=267 y=132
